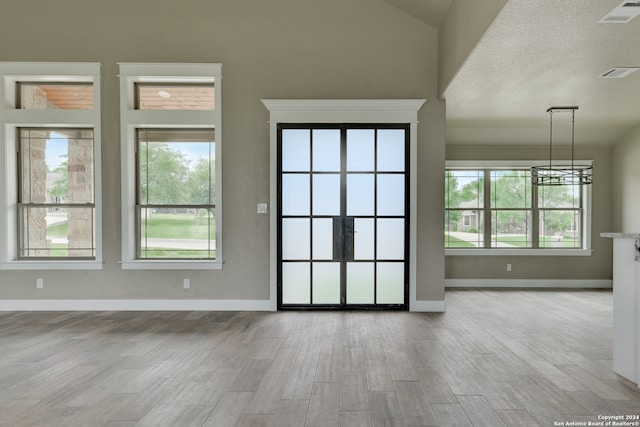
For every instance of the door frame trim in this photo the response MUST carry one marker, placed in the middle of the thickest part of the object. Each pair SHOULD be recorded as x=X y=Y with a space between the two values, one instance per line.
x=342 y=111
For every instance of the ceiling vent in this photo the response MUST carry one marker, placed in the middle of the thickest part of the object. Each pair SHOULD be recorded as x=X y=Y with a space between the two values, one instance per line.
x=618 y=72
x=623 y=13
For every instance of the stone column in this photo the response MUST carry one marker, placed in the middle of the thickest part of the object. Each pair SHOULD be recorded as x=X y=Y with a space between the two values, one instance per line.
x=34 y=190
x=80 y=220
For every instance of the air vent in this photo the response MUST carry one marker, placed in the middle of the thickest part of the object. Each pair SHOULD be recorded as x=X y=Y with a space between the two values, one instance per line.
x=618 y=72
x=623 y=13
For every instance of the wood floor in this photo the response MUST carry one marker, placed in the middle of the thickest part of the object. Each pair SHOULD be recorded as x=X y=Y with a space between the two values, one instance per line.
x=495 y=358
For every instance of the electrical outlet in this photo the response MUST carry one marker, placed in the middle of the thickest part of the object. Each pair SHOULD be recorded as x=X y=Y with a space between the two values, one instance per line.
x=186 y=283
x=508 y=267
x=262 y=208
x=39 y=283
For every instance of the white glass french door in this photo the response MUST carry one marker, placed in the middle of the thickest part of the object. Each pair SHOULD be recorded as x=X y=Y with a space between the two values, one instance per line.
x=343 y=216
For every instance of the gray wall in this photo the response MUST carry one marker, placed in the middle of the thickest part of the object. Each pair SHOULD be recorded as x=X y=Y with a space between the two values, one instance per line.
x=269 y=49
x=626 y=183
x=594 y=267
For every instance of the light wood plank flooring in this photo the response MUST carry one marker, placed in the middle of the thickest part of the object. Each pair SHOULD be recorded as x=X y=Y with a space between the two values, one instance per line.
x=495 y=358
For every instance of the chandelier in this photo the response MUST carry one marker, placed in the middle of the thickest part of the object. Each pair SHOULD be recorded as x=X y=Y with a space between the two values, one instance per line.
x=555 y=173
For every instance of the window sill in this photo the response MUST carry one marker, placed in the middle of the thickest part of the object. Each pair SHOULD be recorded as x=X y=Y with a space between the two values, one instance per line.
x=163 y=264
x=51 y=265
x=518 y=252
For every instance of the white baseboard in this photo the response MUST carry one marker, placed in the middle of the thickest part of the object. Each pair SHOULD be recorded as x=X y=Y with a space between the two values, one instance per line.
x=528 y=283
x=135 y=305
x=428 y=306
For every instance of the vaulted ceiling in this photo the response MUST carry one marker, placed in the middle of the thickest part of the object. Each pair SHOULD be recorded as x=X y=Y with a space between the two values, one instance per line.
x=537 y=54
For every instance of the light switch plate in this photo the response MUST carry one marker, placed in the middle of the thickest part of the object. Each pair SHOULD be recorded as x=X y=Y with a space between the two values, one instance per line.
x=262 y=208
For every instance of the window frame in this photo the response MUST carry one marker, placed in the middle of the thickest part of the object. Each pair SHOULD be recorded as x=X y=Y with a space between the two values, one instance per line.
x=12 y=118
x=132 y=119
x=487 y=209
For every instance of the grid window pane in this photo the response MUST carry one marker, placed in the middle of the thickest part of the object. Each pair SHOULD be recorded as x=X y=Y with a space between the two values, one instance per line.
x=510 y=189
x=464 y=203
x=464 y=228
x=559 y=196
x=177 y=233
x=511 y=229
x=560 y=229
x=57 y=232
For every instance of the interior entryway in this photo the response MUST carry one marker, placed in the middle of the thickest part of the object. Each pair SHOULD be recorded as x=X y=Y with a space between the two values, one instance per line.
x=343 y=214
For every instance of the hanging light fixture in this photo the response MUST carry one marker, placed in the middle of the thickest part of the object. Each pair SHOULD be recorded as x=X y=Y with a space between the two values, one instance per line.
x=562 y=174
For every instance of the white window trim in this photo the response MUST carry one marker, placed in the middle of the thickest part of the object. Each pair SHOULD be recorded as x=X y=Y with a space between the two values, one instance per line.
x=12 y=118
x=344 y=111
x=131 y=119
x=511 y=164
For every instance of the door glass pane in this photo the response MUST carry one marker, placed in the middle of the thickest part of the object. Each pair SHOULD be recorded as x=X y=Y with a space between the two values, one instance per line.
x=326 y=150
x=326 y=194
x=360 y=283
x=296 y=241
x=390 y=233
x=295 y=194
x=322 y=238
x=391 y=195
x=360 y=194
x=390 y=283
x=391 y=150
x=360 y=150
x=296 y=149
x=363 y=239
x=326 y=283
x=296 y=283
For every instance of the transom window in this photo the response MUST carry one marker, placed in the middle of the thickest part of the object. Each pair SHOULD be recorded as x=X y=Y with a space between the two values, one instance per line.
x=499 y=208
x=55 y=96
x=176 y=96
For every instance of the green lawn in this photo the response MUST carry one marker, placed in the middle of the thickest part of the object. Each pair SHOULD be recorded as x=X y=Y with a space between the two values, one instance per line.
x=177 y=226
x=158 y=253
x=453 y=242
x=57 y=230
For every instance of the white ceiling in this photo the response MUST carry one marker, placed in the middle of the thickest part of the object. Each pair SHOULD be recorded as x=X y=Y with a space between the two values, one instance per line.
x=538 y=54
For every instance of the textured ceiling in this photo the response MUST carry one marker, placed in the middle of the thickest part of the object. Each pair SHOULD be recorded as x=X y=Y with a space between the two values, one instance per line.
x=543 y=53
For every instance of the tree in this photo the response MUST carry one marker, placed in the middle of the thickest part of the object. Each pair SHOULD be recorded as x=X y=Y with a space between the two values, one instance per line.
x=163 y=175
x=60 y=189
x=452 y=200
x=201 y=183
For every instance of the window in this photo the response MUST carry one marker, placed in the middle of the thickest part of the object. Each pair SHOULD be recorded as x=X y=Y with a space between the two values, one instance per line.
x=55 y=96
x=51 y=190
x=495 y=207
x=150 y=96
x=171 y=157
x=175 y=184
x=56 y=193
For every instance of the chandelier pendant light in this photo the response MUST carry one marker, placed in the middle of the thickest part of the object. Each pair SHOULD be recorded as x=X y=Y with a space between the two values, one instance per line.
x=555 y=173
